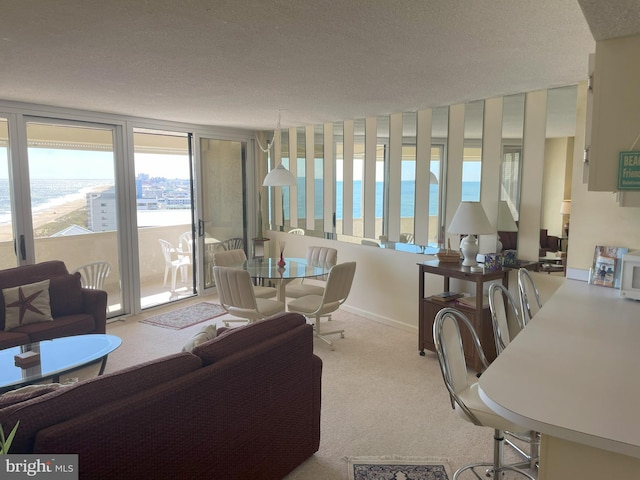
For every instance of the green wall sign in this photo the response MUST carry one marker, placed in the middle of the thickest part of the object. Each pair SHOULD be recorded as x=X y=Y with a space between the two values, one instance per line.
x=629 y=171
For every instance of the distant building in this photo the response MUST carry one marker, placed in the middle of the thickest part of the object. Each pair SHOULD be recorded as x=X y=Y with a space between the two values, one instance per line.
x=102 y=211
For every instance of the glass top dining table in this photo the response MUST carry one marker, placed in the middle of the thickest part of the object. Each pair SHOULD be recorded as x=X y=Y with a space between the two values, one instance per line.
x=268 y=269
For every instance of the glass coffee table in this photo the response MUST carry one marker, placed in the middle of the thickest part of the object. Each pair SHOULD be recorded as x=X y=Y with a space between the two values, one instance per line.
x=58 y=356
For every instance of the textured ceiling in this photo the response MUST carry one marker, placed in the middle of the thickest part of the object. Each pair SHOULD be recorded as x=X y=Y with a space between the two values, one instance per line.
x=239 y=62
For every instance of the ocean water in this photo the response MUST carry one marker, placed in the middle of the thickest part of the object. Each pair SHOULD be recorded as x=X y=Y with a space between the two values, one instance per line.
x=470 y=192
x=46 y=194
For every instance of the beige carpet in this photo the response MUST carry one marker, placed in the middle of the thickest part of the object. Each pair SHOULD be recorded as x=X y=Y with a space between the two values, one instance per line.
x=379 y=396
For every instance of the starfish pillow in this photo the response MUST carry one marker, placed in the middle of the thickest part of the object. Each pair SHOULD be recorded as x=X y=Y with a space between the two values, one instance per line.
x=27 y=304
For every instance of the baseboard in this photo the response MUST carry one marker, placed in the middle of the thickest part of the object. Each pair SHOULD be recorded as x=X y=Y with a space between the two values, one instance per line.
x=380 y=319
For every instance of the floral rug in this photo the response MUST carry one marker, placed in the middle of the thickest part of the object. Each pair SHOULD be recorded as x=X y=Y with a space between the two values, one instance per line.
x=187 y=316
x=395 y=467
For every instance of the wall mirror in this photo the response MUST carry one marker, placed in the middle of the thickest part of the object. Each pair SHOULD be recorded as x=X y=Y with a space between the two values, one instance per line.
x=558 y=163
x=472 y=153
x=388 y=174
x=510 y=171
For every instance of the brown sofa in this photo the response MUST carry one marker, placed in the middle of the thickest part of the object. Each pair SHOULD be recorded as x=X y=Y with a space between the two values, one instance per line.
x=245 y=405
x=75 y=310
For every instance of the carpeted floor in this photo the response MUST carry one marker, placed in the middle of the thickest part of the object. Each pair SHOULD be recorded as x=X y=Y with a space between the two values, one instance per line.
x=187 y=316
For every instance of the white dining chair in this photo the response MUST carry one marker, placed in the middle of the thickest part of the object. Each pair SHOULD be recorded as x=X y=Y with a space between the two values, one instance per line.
x=235 y=292
x=335 y=294
x=317 y=256
x=235 y=259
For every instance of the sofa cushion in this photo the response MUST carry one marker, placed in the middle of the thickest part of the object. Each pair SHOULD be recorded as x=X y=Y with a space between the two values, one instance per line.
x=26 y=304
x=65 y=294
x=61 y=327
x=205 y=334
x=240 y=338
x=65 y=403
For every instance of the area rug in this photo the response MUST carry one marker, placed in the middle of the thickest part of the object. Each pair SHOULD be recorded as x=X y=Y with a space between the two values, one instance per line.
x=187 y=316
x=394 y=467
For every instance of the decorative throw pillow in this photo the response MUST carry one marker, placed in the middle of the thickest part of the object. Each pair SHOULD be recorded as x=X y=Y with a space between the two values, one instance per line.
x=26 y=304
x=206 y=333
x=65 y=293
x=26 y=393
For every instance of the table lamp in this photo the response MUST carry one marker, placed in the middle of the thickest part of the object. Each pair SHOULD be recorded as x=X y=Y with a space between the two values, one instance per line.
x=471 y=220
x=506 y=223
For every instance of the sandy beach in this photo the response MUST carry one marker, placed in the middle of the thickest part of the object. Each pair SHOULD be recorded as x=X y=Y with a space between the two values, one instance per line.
x=47 y=216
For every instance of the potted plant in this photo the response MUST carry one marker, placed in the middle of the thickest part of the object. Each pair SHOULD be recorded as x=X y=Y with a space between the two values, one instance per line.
x=5 y=443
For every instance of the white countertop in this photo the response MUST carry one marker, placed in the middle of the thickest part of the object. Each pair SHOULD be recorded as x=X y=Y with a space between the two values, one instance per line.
x=574 y=371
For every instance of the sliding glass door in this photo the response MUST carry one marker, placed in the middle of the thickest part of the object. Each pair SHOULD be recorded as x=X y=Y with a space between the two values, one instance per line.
x=70 y=184
x=123 y=194
x=7 y=255
x=164 y=212
x=223 y=207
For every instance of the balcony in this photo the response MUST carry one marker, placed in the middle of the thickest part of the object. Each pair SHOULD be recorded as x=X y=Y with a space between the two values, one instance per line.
x=77 y=250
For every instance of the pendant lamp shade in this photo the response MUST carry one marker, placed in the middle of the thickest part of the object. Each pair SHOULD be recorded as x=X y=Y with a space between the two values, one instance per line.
x=279 y=177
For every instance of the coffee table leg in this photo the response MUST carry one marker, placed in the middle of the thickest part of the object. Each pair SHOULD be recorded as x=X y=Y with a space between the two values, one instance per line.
x=103 y=365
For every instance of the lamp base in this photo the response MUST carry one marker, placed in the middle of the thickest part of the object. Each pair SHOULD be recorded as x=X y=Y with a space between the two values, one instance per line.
x=469 y=248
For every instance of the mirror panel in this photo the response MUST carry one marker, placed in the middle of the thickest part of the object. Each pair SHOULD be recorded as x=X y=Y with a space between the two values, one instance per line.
x=382 y=174
x=437 y=185
x=510 y=171
x=408 y=178
x=472 y=155
x=558 y=162
x=388 y=178
x=299 y=170
x=317 y=181
x=358 y=177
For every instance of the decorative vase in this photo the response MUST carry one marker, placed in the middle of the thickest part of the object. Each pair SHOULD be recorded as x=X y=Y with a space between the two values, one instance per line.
x=281 y=262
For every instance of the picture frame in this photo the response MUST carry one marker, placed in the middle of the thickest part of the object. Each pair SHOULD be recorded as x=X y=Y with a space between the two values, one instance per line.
x=606 y=267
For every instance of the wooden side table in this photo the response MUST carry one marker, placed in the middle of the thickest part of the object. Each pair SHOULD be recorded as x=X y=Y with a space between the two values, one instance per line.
x=479 y=315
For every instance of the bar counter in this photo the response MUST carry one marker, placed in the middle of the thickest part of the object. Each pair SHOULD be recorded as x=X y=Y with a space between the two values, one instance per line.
x=573 y=374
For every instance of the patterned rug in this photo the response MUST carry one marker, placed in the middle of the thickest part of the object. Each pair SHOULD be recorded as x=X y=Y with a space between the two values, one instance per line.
x=187 y=316
x=395 y=467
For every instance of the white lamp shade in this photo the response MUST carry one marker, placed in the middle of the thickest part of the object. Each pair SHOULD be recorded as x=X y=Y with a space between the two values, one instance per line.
x=279 y=177
x=506 y=223
x=565 y=207
x=470 y=219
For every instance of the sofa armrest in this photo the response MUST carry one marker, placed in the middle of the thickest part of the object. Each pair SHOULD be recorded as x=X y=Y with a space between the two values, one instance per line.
x=94 y=302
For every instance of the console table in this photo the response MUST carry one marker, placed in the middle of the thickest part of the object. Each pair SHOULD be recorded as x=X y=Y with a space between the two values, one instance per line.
x=479 y=315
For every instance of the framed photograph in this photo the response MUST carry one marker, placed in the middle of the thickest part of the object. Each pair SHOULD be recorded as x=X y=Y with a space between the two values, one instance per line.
x=605 y=270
